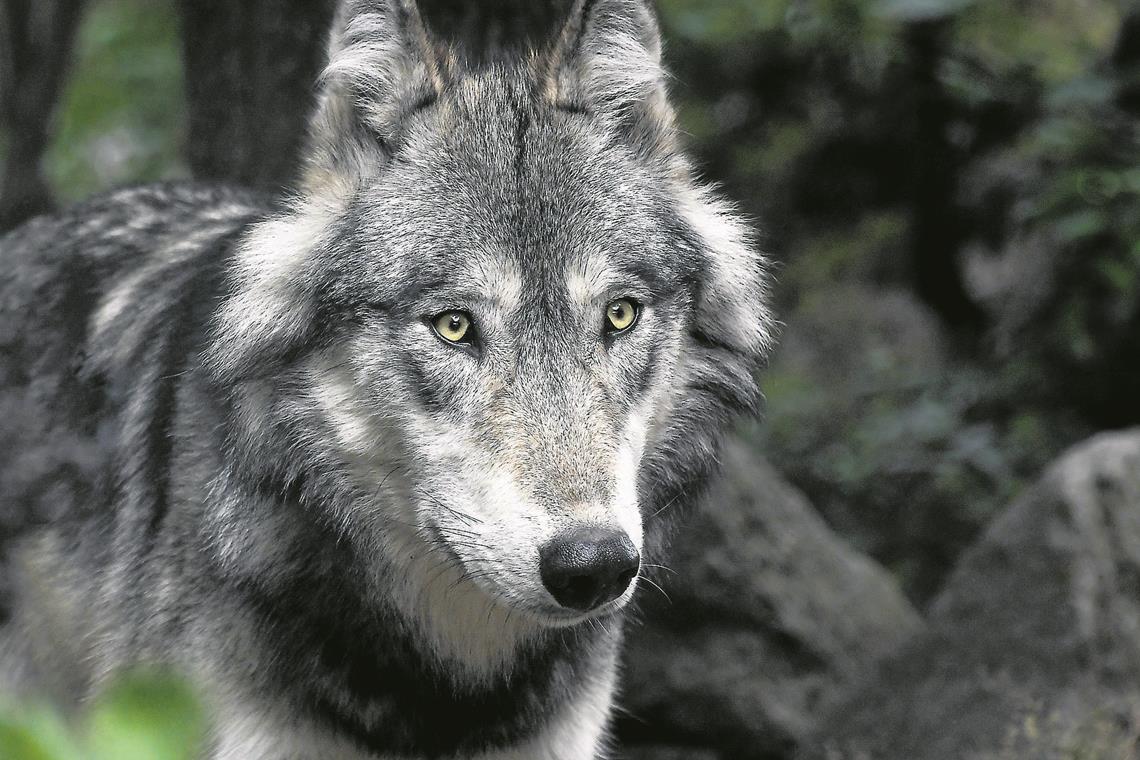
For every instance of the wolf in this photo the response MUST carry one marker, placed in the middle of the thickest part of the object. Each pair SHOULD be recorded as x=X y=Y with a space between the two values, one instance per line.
x=380 y=465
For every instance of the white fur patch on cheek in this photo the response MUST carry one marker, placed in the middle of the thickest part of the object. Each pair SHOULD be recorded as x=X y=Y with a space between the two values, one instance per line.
x=489 y=519
x=628 y=463
x=471 y=479
x=443 y=445
x=499 y=494
x=513 y=528
x=339 y=400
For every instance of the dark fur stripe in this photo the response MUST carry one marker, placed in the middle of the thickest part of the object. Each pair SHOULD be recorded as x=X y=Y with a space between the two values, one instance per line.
x=347 y=658
x=185 y=320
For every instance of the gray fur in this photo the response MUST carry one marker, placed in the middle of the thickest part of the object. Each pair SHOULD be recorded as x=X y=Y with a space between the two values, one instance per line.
x=232 y=443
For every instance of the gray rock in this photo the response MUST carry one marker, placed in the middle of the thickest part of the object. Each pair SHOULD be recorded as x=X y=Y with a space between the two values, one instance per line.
x=666 y=752
x=872 y=416
x=770 y=612
x=1033 y=647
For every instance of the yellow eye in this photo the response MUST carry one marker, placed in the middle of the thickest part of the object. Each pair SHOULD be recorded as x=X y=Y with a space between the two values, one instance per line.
x=452 y=326
x=620 y=315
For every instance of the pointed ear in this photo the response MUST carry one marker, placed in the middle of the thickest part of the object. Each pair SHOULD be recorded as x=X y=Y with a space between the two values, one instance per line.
x=382 y=65
x=607 y=61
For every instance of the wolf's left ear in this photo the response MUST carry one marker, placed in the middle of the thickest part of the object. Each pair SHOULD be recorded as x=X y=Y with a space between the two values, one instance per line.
x=607 y=61
x=383 y=64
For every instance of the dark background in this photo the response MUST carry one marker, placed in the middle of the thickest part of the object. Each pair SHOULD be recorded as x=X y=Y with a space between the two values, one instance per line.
x=951 y=190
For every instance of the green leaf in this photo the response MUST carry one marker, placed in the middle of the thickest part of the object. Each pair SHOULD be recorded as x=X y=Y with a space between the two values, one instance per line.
x=147 y=716
x=722 y=21
x=1119 y=275
x=121 y=115
x=35 y=734
x=1080 y=224
x=919 y=10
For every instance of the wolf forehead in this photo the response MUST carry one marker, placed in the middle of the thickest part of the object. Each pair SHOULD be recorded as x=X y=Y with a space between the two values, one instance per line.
x=559 y=174
x=491 y=180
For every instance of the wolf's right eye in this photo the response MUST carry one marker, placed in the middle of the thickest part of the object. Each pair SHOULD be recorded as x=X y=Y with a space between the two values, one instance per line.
x=453 y=326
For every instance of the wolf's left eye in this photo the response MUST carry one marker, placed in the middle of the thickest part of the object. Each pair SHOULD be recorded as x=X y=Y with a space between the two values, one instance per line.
x=621 y=315
x=453 y=326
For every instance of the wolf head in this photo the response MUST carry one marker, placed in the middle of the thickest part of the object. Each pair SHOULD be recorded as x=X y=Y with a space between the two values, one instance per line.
x=499 y=333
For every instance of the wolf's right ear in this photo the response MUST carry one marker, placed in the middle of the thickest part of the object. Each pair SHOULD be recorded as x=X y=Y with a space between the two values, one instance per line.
x=383 y=63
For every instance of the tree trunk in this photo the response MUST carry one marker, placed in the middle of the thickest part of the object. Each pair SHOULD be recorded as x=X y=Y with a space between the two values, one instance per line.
x=936 y=234
x=251 y=68
x=35 y=46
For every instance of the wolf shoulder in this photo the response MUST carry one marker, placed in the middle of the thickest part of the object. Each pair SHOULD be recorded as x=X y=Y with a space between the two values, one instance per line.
x=91 y=299
x=60 y=269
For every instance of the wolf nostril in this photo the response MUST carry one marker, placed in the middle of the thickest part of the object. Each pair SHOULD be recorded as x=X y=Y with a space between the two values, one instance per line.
x=587 y=567
x=626 y=578
x=575 y=587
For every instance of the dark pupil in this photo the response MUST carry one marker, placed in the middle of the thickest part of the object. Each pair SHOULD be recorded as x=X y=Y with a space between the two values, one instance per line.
x=618 y=310
x=455 y=322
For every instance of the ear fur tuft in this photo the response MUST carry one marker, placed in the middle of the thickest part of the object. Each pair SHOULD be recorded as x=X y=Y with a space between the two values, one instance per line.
x=607 y=60
x=383 y=62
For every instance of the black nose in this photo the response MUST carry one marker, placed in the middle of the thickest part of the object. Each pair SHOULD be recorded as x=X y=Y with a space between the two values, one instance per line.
x=587 y=567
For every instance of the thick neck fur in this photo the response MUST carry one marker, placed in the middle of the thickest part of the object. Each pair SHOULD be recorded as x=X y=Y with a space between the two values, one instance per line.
x=457 y=677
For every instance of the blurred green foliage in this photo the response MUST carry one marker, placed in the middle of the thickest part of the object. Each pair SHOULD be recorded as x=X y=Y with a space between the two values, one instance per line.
x=143 y=716
x=848 y=127
x=122 y=114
